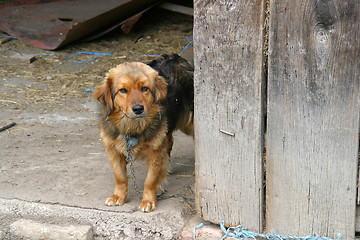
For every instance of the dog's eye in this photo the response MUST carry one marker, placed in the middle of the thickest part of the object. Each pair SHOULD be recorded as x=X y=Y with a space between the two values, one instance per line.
x=144 y=89
x=123 y=90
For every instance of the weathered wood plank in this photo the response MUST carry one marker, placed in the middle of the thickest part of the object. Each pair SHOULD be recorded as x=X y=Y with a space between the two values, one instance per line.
x=228 y=111
x=313 y=117
x=177 y=8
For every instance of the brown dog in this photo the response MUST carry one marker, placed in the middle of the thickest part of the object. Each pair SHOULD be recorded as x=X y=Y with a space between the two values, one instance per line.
x=145 y=102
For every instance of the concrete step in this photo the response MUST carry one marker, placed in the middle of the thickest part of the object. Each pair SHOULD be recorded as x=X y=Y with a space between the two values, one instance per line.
x=29 y=229
x=29 y=220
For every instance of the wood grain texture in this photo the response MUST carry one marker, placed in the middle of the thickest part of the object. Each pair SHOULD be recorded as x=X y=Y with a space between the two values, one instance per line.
x=313 y=117
x=228 y=38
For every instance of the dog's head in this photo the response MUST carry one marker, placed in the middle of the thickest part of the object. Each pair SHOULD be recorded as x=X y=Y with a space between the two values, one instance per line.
x=132 y=88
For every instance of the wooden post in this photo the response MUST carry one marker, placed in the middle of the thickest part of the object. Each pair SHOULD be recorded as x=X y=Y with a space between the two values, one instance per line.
x=229 y=111
x=313 y=117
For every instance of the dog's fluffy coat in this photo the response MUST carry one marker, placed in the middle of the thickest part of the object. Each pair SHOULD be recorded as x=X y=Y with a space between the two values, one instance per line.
x=147 y=102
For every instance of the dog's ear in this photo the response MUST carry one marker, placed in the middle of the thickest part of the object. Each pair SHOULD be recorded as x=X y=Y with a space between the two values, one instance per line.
x=160 y=89
x=105 y=96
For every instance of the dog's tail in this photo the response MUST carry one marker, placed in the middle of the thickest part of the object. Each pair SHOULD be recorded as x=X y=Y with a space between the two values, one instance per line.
x=179 y=102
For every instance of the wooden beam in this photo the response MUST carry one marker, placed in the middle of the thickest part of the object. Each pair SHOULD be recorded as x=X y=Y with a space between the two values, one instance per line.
x=313 y=117
x=177 y=8
x=228 y=40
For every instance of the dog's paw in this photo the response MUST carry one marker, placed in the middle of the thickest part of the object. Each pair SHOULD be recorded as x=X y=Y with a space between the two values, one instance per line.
x=147 y=206
x=114 y=200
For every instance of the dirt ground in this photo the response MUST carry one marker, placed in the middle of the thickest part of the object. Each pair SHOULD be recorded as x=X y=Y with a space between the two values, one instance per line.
x=54 y=80
x=55 y=145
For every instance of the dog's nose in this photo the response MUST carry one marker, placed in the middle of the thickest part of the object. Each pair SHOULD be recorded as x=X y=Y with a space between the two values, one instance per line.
x=138 y=109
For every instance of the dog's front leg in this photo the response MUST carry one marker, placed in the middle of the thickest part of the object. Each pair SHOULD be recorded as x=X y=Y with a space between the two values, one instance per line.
x=118 y=164
x=157 y=168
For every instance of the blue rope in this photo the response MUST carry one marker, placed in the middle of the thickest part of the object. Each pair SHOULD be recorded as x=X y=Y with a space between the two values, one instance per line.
x=89 y=53
x=35 y=54
x=43 y=54
x=8 y=36
x=10 y=51
x=199 y=226
x=189 y=45
x=240 y=232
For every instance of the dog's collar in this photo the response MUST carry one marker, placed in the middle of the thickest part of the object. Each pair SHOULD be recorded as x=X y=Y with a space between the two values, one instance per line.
x=131 y=141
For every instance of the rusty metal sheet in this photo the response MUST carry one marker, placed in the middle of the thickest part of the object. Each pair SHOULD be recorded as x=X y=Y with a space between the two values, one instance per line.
x=50 y=24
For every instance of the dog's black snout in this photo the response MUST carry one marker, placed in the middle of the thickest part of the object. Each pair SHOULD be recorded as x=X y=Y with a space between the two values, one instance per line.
x=138 y=109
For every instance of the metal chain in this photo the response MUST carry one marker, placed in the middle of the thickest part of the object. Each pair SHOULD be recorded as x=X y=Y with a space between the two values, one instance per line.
x=130 y=143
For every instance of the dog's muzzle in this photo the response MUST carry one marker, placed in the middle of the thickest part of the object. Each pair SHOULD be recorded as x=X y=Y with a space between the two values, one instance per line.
x=138 y=109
